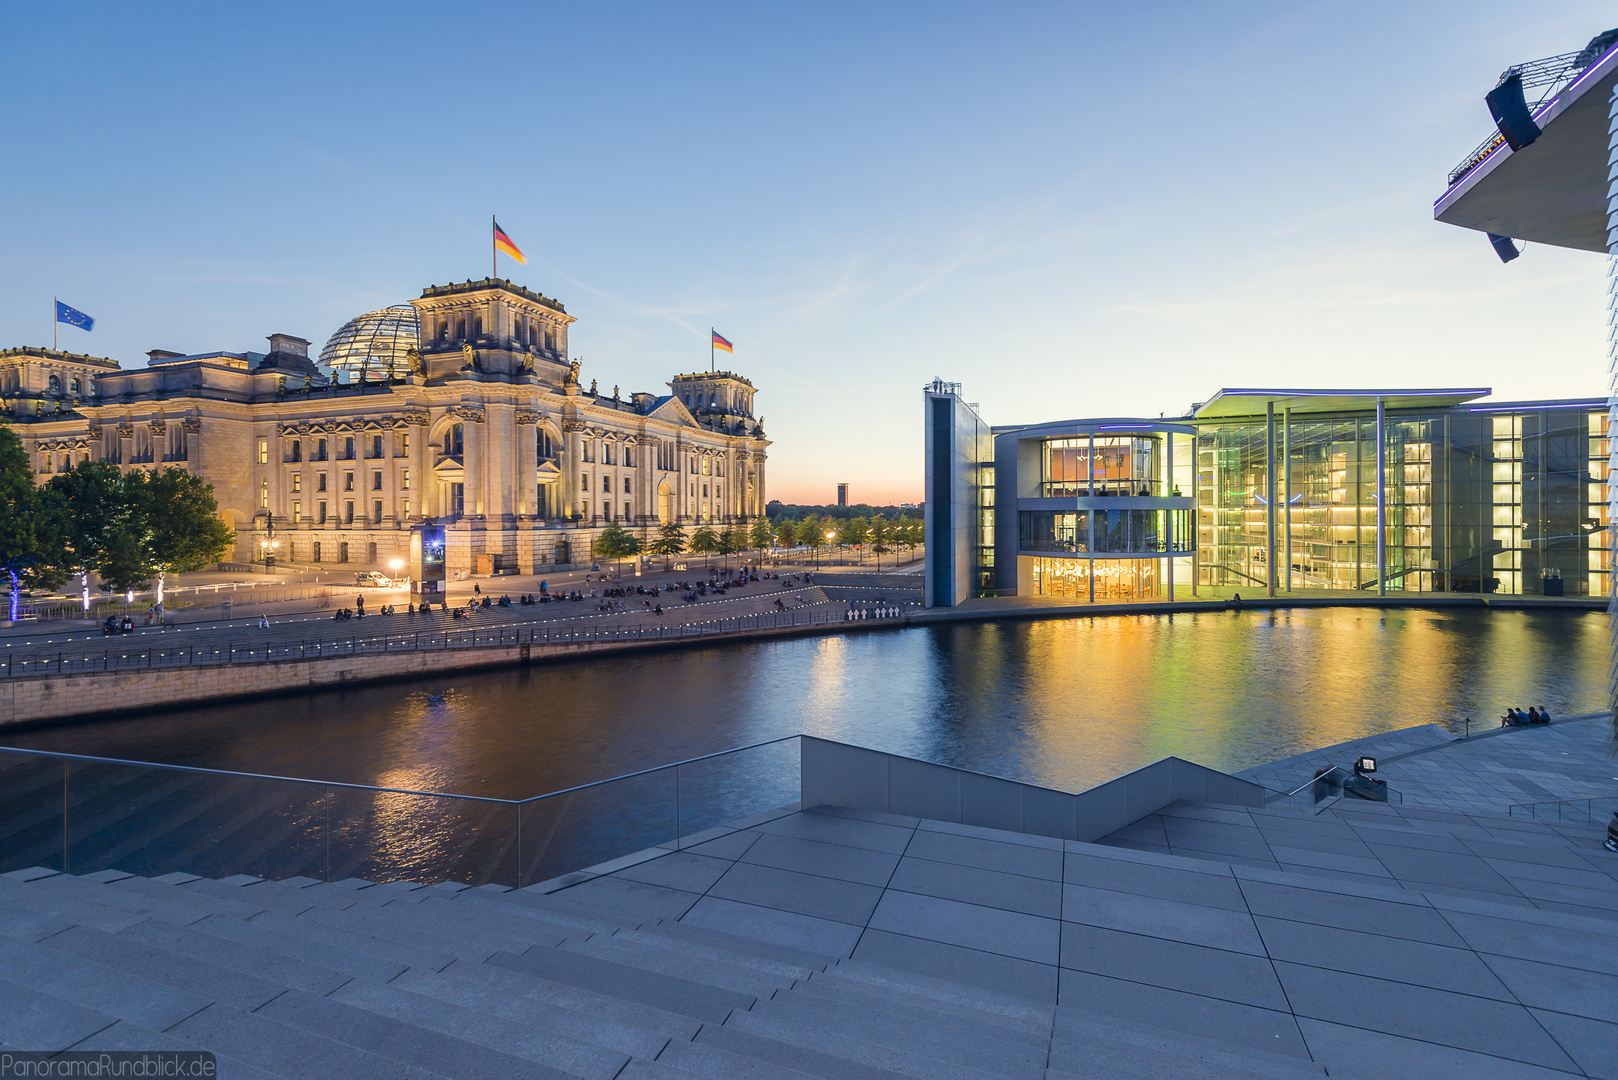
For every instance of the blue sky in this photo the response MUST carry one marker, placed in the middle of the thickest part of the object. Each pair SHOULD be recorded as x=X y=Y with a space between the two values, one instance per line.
x=1075 y=210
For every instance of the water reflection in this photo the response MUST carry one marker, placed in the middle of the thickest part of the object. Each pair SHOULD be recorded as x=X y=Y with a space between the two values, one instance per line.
x=1060 y=703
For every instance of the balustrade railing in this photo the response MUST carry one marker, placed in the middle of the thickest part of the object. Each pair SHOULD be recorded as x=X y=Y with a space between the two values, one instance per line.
x=80 y=814
x=76 y=659
x=1593 y=811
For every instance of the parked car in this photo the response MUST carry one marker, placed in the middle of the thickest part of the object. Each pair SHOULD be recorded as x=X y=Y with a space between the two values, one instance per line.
x=373 y=579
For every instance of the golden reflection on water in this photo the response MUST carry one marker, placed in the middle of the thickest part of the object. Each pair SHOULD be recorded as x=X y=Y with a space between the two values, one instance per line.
x=1064 y=703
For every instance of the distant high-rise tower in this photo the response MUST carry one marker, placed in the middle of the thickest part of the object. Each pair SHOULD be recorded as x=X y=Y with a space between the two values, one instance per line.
x=842 y=494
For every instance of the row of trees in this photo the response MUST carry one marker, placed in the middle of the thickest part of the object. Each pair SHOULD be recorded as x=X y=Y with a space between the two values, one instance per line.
x=126 y=528
x=813 y=531
x=617 y=542
x=882 y=536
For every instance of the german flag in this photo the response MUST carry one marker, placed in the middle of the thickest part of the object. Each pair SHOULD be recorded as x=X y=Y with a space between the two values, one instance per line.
x=502 y=242
x=720 y=343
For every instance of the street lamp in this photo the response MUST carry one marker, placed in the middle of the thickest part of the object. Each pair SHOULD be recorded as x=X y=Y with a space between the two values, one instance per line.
x=269 y=546
x=829 y=537
x=395 y=565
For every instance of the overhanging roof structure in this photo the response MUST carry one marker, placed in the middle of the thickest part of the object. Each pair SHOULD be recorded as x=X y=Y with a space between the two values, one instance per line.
x=1554 y=190
x=1229 y=403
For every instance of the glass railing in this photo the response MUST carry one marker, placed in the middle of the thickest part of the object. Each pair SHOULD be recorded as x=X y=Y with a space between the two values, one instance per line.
x=1328 y=785
x=80 y=814
x=1567 y=811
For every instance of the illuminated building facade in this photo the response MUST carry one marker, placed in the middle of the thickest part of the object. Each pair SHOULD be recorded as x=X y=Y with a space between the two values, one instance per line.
x=464 y=411
x=1477 y=497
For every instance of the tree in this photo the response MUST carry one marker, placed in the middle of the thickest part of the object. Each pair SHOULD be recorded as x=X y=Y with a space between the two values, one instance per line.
x=616 y=542
x=91 y=496
x=177 y=523
x=669 y=542
x=881 y=538
x=812 y=533
x=786 y=534
x=908 y=531
x=31 y=523
x=704 y=541
x=760 y=536
x=730 y=542
x=851 y=532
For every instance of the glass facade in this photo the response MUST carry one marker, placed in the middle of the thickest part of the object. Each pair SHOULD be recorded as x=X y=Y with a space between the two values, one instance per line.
x=1115 y=579
x=1105 y=465
x=1119 y=531
x=1477 y=500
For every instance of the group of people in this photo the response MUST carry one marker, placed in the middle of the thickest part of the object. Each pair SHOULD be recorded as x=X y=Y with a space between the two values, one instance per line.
x=1518 y=718
x=115 y=626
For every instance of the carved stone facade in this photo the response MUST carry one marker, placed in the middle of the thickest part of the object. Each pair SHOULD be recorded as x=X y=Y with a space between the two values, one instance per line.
x=506 y=449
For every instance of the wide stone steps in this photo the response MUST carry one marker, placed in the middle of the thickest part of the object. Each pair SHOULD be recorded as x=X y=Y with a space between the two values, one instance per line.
x=298 y=978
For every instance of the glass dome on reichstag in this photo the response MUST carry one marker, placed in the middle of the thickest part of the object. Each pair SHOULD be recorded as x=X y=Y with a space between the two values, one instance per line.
x=374 y=344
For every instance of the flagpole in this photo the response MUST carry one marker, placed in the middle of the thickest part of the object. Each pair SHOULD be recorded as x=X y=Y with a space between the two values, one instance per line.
x=55 y=347
x=710 y=351
x=494 y=251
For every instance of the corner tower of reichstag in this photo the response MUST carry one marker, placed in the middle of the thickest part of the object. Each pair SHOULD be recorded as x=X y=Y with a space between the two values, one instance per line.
x=480 y=423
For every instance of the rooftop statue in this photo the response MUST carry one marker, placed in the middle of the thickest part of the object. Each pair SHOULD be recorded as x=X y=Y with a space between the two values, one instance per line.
x=572 y=374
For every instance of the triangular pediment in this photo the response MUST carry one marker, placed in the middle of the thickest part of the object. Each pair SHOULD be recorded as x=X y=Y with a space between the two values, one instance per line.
x=450 y=468
x=548 y=472
x=673 y=410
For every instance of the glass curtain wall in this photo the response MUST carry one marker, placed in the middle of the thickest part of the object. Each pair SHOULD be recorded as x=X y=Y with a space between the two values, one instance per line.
x=1120 y=531
x=1116 y=579
x=1476 y=502
x=1122 y=465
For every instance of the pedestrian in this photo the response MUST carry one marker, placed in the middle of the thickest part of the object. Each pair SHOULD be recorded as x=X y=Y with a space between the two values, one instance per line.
x=263 y=621
x=476 y=590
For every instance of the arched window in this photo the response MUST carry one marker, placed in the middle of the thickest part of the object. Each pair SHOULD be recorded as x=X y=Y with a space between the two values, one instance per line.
x=56 y=385
x=316 y=557
x=455 y=439
x=342 y=551
x=477 y=326
x=460 y=329
x=73 y=387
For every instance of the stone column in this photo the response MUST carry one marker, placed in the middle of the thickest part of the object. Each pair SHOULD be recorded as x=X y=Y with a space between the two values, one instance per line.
x=526 y=480
x=473 y=452
x=572 y=460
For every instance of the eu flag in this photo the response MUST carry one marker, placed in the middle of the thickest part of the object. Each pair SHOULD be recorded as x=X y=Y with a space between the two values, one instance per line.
x=73 y=317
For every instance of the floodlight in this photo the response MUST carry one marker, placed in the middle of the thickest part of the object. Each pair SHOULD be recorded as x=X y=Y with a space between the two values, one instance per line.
x=1510 y=111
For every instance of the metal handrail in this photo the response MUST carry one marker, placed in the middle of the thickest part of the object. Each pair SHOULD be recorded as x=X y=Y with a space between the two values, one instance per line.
x=1588 y=800
x=1312 y=782
x=57 y=755
x=502 y=634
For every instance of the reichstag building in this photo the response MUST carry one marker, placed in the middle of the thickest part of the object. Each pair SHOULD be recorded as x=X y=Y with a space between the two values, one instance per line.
x=461 y=407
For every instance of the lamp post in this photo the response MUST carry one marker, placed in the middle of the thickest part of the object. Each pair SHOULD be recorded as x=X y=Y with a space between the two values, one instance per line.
x=396 y=565
x=267 y=547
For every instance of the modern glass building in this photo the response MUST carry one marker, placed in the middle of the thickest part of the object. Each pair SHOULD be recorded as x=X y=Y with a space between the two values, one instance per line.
x=1091 y=510
x=1278 y=490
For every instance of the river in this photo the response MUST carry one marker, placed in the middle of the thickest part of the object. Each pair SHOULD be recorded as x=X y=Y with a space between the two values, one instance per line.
x=1060 y=703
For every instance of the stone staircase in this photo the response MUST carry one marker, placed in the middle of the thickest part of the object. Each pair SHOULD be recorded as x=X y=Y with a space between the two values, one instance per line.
x=297 y=978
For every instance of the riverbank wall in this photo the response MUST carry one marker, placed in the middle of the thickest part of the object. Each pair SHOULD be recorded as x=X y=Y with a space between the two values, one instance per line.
x=33 y=700
x=1020 y=608
x=29 y=701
